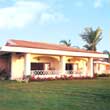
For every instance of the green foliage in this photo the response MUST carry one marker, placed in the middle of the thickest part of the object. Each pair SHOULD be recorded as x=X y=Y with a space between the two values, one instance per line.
x=91 y=37
x=103 y=75
x=67 y=43
x=108 y=53
x=3 y=74
x=56 y=95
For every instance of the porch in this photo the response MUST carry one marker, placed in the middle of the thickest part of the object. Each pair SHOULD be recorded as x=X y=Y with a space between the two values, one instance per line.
x=45 y=66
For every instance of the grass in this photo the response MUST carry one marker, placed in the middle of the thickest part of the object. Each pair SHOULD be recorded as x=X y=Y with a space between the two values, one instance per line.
x=56 y=95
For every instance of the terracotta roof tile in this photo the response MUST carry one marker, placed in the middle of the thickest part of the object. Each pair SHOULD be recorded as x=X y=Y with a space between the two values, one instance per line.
x=42 y=45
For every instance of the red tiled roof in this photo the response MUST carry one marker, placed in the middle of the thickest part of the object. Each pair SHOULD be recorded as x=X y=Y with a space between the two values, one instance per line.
x=42 y=45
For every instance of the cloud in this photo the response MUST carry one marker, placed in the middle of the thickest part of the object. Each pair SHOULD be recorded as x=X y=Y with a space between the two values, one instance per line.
x=45 y=17
x=98 y=4
x=24 y=12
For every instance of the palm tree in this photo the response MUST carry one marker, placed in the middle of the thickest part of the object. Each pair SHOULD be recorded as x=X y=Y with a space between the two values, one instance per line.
x=67 y=43
x=91 y=37
x=108 y=53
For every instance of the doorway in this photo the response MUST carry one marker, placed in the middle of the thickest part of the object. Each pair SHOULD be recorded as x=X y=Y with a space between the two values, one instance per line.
x=69 y=66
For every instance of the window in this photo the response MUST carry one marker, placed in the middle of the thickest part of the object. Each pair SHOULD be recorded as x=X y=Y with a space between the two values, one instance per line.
x=69 y=66
x=37 y=66
x=40 y=66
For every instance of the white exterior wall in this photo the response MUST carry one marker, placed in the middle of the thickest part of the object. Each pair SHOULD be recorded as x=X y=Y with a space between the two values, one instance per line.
x=79 y=64
x=96 y=66
x=52 y=60
x=21 y=65
x=100 y=68
x=17 y=66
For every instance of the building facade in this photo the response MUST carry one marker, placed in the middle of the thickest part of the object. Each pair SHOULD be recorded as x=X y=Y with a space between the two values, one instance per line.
x=22 y=58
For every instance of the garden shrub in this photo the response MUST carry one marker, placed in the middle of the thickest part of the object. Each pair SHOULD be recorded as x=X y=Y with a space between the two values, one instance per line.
x=3 y=74
x=103 y=75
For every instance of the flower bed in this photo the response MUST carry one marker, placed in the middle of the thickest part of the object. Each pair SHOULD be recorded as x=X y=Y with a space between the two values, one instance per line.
x=57 y=77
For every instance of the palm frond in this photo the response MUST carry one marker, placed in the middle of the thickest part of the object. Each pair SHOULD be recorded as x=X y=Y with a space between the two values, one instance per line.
x=67 y=43
x=91 y=37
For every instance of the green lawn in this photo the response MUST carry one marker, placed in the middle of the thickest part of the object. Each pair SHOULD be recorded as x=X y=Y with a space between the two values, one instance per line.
x=56 y=95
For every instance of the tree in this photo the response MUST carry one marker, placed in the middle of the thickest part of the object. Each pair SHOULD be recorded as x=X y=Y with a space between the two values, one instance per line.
x=108 y=53
x=91 y=37
x=67 y=43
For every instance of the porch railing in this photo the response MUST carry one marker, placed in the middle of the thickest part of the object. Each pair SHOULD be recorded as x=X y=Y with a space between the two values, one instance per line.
x=57 y=72
x=77 y=73
x=45 y=72
x=72 y=72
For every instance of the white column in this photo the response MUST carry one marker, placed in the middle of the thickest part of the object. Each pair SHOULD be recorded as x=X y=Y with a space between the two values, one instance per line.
x=97 y=68
x=90 y=67
x=27 y=64
x=62 y=64
x=84 y=69
x=75 y=67
x=13 y=68
x=17 y=66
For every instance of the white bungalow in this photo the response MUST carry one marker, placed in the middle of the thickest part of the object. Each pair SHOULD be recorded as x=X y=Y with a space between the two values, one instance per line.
x=21 y=58
x=101 y=66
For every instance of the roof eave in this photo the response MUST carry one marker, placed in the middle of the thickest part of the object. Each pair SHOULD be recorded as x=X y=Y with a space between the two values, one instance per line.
x=51 y=52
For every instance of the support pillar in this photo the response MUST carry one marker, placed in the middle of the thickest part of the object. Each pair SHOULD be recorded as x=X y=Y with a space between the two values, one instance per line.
x=17 y=66
x=13 y=66
x=27 y=64
x=62 y=64
x=90 y=67
x=97 y=68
